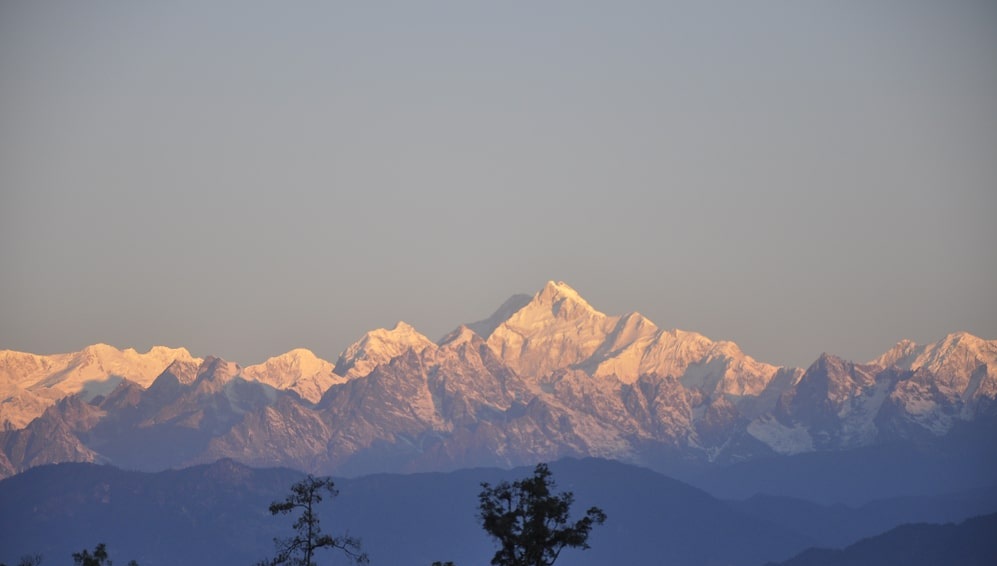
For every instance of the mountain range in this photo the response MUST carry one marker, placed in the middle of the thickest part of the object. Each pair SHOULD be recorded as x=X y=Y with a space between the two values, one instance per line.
x=545 y=377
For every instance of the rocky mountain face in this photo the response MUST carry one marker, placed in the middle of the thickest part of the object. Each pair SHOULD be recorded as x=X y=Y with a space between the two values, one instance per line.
x=544 y=377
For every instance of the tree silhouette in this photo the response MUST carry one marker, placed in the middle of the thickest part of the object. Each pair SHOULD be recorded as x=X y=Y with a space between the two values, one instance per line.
x=98 y=558
x=28 y=560
x=299 y=550
x=530 y=523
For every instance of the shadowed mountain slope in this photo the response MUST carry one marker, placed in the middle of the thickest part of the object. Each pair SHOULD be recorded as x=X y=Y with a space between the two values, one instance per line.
x=970 y=543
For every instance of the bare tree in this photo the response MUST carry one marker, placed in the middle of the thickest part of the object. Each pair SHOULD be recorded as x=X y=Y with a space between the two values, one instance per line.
x=299 y=550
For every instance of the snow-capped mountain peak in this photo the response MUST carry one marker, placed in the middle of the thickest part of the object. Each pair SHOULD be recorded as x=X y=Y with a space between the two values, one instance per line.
x=298 y=370
x=93 y=370
x=460 y=336
x=899 y=355
x=562 y=300
x=378 y=347
x=556 y=329
x=959 y=356
x=36 y=381
x=298 y=360
x=485 y=327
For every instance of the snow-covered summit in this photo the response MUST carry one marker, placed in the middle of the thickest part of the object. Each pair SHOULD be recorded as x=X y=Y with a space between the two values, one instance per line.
x=378 y=347
x=556 y=329
x=283 y=368
x=556 y=293
x=899 y=355
x=959 y=356
x=35 y=381
x=86 y=370
x=460 y=336
x=298 y=370
x=953 y=379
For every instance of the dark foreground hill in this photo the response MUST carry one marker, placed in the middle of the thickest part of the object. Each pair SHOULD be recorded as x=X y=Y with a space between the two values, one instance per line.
x=217 y=514
x=970 y=543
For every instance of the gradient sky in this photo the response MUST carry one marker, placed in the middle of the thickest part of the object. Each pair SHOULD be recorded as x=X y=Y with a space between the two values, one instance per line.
x=244 y=178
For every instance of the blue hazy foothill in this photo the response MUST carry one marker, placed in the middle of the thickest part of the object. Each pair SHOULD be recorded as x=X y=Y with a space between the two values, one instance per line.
x=217 y=514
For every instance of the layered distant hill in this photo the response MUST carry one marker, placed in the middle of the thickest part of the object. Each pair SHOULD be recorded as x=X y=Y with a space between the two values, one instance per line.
x=217 y=514
x=970 y=543
x=545 y=377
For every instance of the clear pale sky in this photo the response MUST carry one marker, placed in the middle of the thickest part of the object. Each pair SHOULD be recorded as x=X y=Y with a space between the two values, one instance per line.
x=245 y=178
